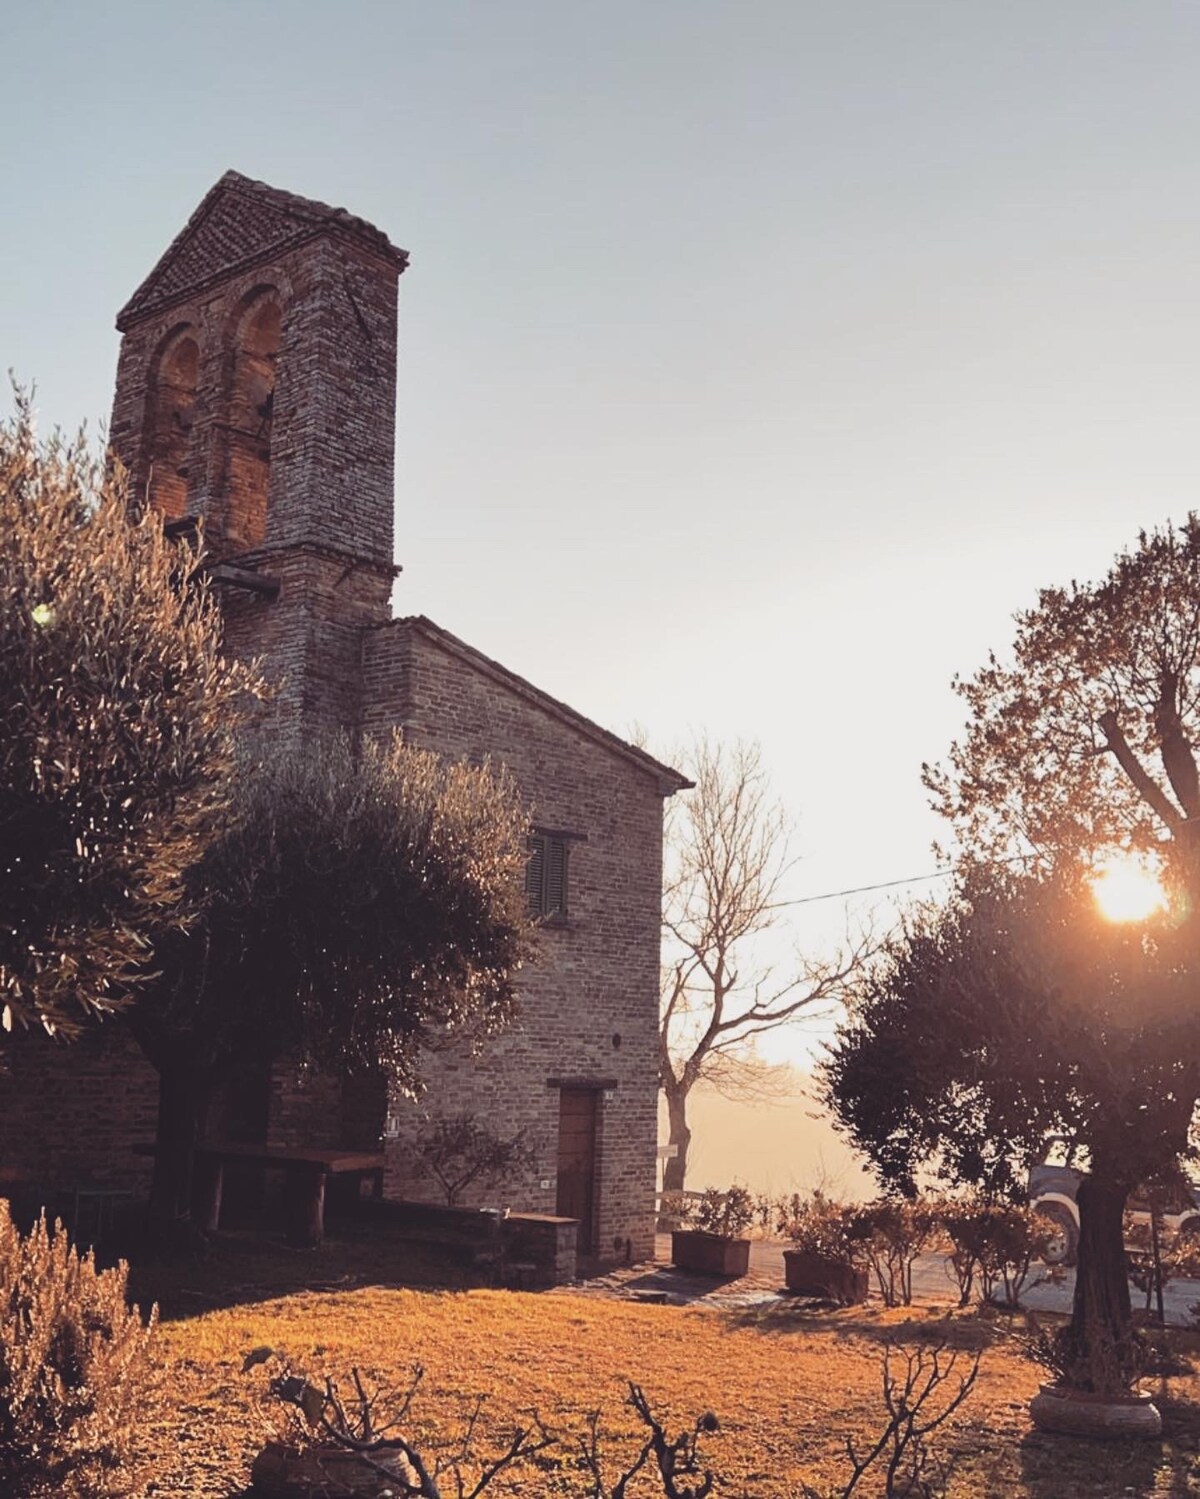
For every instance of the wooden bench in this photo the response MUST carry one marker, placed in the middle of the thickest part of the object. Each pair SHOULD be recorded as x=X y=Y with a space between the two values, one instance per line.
x=305 y=1174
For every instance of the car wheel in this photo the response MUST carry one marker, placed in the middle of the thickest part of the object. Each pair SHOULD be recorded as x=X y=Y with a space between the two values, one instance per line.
x=1062 y=1244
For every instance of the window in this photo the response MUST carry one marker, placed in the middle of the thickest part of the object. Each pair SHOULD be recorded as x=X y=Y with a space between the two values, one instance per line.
x=546 y=875
x=173 y=403
x=251 y=408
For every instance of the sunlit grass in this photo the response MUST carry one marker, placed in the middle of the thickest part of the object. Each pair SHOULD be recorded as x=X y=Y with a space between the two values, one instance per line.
x=788 y=1387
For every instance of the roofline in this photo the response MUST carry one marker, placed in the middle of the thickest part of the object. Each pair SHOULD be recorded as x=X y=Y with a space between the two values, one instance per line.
x=322 y=218
x=669 y=780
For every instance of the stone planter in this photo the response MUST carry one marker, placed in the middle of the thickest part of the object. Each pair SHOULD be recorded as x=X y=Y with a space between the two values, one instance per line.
x=709 y=1254
x=1082 y=1413
x=320 y=1472
x=813 y=1275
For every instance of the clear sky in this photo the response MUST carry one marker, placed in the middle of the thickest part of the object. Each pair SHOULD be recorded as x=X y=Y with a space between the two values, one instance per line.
x=758 y=359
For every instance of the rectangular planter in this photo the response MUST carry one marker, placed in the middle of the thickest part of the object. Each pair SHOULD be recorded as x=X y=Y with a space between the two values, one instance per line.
x=814 y=1275
x=709 y=1254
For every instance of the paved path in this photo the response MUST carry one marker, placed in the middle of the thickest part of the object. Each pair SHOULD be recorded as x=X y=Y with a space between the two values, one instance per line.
x=933 y=1283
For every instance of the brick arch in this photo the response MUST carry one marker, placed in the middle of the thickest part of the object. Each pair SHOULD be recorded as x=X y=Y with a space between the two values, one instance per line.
x=171 y=412
x=255 y=339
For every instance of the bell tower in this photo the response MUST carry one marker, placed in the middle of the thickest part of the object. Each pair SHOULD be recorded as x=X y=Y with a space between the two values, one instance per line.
x=255 y=398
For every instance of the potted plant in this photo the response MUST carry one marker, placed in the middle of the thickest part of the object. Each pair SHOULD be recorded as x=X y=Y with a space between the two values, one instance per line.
x=826 y=1254
x=713 y=1241
x=1091 y=1395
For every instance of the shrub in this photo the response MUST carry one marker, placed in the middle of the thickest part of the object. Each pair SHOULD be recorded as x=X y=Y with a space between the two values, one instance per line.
x=72 y=1355
x=891 y=1232
x=1063 y=1354
x=460 y=1150
x=726 y=1214
x=996 y=1242
x=1155 y=1256
x=819 y=1225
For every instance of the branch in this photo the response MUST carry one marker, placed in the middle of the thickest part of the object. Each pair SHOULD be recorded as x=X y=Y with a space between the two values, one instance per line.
x=526 y=1443
x=1147 y=788
x=1177 y=757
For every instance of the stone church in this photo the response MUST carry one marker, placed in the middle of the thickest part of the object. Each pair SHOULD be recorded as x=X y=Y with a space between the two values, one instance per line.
x=256 y=392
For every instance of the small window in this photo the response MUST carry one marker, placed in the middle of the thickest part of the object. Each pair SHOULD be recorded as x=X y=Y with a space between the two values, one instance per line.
x=546 y=875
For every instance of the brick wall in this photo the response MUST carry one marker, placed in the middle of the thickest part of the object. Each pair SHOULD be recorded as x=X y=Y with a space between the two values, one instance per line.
x=589 y=1004
x=328 y=532
x=69 y=1114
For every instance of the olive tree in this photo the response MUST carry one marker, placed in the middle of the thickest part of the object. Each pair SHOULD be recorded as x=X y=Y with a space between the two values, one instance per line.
x=117 y=716
x=354 y=900
x=1012 y=1014
x=1080 y=743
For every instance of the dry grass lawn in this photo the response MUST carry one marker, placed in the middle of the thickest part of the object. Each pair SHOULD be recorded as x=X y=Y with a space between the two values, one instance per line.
x=787 y=1386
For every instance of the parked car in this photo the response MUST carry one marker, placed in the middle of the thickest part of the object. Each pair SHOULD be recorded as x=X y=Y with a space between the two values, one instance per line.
x=1053 y=1190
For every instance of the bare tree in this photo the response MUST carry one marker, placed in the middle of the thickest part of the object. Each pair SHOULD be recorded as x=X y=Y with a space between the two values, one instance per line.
x=726 y=859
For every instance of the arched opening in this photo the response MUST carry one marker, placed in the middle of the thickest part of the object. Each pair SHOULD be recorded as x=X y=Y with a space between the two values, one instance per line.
x=251 y=414
x=171 y=426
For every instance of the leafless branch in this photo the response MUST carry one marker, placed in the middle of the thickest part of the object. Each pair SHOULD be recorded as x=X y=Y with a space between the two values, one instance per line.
x=917 y=1400
x=675 y=1460
x=363 y=1434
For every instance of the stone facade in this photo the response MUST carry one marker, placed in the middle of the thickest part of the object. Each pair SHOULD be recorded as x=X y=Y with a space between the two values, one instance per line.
x=256 y=391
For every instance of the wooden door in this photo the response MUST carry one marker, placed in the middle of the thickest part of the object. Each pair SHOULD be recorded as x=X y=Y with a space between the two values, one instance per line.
x=577 y=1161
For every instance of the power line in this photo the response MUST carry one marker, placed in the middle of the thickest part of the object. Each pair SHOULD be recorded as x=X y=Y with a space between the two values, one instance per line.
x=807 y=900
x=916 y=879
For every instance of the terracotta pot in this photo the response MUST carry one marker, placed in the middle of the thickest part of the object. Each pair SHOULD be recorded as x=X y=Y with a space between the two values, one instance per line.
x=321 y=1472
x=814 y=1275
x=1083 y=1413
x=709 y=1254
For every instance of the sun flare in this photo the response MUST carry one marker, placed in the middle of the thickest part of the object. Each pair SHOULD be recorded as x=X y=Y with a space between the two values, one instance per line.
x=1126 y=890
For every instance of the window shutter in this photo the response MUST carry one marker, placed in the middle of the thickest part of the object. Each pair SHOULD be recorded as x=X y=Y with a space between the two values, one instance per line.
x=535 y=874
x=556 y=877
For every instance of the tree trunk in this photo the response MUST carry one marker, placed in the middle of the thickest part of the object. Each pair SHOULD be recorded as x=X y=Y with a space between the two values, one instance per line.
x=675 y=1167
x=1100 y=1336
x=183 y=1094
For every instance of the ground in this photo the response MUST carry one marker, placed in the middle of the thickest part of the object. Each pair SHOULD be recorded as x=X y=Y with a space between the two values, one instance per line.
x=787 y=1383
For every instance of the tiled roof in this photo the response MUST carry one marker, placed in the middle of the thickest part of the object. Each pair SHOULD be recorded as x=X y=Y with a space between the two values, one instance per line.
x=238 y=222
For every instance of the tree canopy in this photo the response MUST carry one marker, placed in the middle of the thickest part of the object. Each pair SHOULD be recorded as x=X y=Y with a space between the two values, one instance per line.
x=117 y=717
x=350 y=901
x=354 y=901
x=1083 y=740
x=1014 y=1015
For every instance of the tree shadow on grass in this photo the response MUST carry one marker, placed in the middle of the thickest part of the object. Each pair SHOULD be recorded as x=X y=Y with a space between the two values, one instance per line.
x=247 y=1268
x=1168 y=1468
x=1053 y=1466
x=966 y=1330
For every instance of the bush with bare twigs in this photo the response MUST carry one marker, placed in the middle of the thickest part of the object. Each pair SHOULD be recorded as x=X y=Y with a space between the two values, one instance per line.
x=461 y=1150
x=890 y=1233
x=365 y=1424
x=921 y=1390
x=995 y=1245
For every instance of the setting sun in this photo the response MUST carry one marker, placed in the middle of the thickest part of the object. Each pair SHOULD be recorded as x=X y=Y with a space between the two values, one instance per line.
x=1126 y=890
